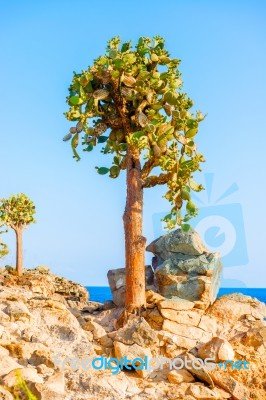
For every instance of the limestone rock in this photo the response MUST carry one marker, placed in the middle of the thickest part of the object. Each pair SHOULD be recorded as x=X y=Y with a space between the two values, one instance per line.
x=177 y=242
x=55 y=304
x=218 y=348
x=201 y=373
x=42 y=357
x=136 y=331
x=44 y=370
x=176 y=341
x=5 y=395
x=17 y=310
x=28 y=374
x=185 y=269
x=154 y=318
x=190 y=278
x=8 y=364
x=109 y=386
x=96 y=329
x=183 y=317
x=255 y=337
x=208 y=324
x=231 y=385
x=117 y=277
x=231 y=308
x=42 y=269
x=153 y=297
x=131 y=352
x=201 y=392
x=53 y=388
x=179 y=376
x=191 y=332
x=176 y=304
x=3 y=352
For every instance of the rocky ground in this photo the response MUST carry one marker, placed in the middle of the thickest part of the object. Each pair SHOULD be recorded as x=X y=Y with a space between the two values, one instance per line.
x=42 y=315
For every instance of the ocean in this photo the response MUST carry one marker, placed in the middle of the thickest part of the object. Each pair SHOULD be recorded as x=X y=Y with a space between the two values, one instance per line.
x=103 y=293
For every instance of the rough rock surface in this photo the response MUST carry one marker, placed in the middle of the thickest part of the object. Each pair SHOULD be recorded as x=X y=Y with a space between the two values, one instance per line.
x=34 y=328
x=185 y=268
x=117 y=283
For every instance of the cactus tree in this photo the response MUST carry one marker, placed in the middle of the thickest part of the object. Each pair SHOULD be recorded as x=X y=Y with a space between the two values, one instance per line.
x=130 y=102
x=17 y=212
x=3 y=246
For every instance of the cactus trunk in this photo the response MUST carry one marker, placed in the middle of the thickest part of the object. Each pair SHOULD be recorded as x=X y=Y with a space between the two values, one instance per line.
x=19 y=252
x=134 y=241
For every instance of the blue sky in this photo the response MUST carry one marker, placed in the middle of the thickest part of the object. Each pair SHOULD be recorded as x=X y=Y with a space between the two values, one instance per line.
x=79 y=232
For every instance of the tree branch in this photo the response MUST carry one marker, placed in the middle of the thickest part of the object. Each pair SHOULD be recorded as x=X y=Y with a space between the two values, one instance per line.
x=13 y=226
x=156 y=180
x=147 y=167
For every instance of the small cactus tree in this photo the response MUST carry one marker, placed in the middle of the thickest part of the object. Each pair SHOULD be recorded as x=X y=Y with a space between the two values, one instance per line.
x=3 y=246
x=139 y=113
x=17 y=212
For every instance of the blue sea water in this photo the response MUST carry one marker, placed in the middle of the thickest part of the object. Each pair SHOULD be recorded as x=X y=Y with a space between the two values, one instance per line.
x=103 y=293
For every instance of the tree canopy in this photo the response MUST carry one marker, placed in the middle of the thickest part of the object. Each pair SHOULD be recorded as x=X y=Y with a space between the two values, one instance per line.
x=17 y=211
x=133 y=97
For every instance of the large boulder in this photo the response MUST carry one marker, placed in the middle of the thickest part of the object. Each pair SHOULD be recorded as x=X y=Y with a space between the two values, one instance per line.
x=117 y=283
x=184 y=268
x=218 y=348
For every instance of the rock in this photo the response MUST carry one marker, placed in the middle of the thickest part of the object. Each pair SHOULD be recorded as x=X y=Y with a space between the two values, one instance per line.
x=116 y=278
x=183 y=317
x=44 y=370
x=185 y=269
x=154 y=318
x=3 y=352
x=255 y=337
x=201 y=392
x=153 y=297
x=108 y=305
x=17 y=310
x=42 y=269
x=92 y=306
x=42 y=357
x=231 y=308
x=70 y=289
x=208 y=324
x=177 y=242
x=186 y=331
x=189 y=277
x=201 y=373
x=53 y=331
x=179 y=376
x=221 y=393
x=4 y=317
x=175 y=341
x=231 y=385
x=177 y=304
x=5 y=395
x=8 y=364
x=131 y=352
x=55 y=304
x=106 y=341
x=30 y=375
x=109 y=387
x=53 y=388
x=56 y=383
x=218 y=348
x=136 y=331
x=96 y=329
